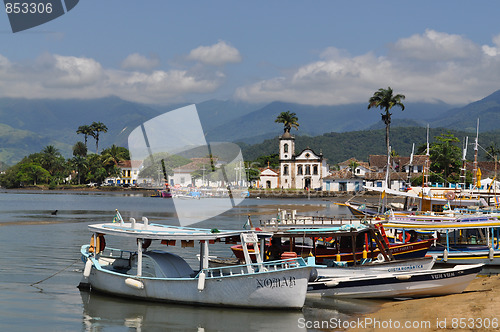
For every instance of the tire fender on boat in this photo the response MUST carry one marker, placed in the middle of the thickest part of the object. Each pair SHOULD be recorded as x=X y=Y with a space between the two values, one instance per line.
x=449 y=195
x=99 y=246
x=407 y=237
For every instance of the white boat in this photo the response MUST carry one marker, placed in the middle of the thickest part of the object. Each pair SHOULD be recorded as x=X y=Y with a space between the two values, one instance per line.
x=377 y=267
x=163 y=276
x=399 y=285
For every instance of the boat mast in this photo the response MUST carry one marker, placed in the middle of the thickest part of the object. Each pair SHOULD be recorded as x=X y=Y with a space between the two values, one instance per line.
x=410 y=166
x=425 y=177
x=387 y=186
x=463 y=170
x=475 y=155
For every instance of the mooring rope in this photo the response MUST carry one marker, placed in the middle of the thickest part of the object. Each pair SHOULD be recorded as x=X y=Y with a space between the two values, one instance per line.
x=67 y=267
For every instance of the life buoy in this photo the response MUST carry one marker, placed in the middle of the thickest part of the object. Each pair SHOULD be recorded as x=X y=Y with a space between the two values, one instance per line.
x=449 y=195
x=99 y=246
x=407 y=237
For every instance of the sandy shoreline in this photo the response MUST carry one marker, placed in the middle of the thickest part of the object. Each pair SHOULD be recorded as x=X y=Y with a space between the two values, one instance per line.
x=476 y=309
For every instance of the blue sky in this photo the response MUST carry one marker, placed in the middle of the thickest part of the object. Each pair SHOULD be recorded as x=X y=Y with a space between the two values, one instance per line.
x=310 y=52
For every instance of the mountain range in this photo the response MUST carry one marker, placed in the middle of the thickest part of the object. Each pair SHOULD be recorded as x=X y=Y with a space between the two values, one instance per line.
x=28 y=125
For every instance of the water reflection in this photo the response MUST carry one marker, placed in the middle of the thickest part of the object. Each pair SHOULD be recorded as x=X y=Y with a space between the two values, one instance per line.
x=104 y=311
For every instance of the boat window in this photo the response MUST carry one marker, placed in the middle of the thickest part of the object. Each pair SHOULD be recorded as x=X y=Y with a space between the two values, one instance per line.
x=148 y=268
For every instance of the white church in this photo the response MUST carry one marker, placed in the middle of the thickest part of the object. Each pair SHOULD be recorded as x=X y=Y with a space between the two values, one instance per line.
x=297 y=171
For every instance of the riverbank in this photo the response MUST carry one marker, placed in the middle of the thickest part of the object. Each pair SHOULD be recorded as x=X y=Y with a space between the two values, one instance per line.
x=476 y=309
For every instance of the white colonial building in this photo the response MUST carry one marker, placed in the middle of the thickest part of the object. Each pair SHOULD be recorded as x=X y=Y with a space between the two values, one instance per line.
x=300 y=171
x=269 y=178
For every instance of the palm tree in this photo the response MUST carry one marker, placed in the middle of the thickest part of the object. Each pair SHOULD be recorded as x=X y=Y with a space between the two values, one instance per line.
x=385 y=100
x=97 y=127
x=51 y=159
x=353 y=164
x=114 y=154
x=79 y=163
x=492 y=152
x=79 y=149
x=288 y=120
x=85 y=130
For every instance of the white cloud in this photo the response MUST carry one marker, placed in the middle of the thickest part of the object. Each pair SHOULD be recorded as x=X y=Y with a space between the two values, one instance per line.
x=139 y=62
x=435 y=46
x=56 y=76
x=428 y=67
x=216 y=55
x=73 y=72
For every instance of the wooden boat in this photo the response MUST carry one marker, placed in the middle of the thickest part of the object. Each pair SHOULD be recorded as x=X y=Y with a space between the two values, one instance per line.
x=469 y=241
x=430 y=199
x=157 y=275
x=344 y=244
x=162 y=194
x=399 y=285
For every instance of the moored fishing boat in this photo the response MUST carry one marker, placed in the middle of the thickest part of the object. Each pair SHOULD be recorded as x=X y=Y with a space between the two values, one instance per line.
x=472 y=240
x=398 y=285
x=158 y=275
x=344 y=244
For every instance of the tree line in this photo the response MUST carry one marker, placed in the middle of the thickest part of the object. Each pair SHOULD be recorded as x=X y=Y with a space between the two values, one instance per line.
x=49 y=166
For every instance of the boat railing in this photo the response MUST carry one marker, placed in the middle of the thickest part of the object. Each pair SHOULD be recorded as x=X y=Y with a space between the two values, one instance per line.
x=234 y=270
x=308 y=221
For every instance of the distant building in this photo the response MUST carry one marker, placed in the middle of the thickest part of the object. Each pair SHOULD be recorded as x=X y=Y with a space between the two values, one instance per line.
x=343 y=181
x=129 y=173
x=401 y=170
x=269 y=178
x=183 y=175
x=300 y=171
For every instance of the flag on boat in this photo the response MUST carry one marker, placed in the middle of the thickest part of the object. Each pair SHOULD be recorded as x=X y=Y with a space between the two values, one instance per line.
x=117 y=217
x=383 y=194
x=478 y=177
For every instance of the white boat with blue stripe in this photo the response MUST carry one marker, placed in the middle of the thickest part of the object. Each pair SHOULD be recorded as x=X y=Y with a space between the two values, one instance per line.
x=158 y=275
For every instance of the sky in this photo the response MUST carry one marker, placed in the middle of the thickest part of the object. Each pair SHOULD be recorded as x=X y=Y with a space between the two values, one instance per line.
x=308 y=52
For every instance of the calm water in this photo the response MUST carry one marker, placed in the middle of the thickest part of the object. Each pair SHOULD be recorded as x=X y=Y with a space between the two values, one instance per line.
x=37 y=245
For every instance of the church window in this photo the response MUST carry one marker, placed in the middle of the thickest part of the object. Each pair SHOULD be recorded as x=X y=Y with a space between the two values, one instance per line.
x=285 y=170
x=285 y=148
x=315 y=169
x=299 y=170
x=308 y=170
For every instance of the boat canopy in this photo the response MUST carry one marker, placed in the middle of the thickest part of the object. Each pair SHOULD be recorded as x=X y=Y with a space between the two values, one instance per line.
x=391 y=191
x=430 y=225
x=167 y=232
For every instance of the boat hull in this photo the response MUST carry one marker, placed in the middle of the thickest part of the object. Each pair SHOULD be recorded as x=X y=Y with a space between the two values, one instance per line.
x=275 y=289
x=328 y=256
x=416 y=264
x=417 y=284
x=467 y=257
